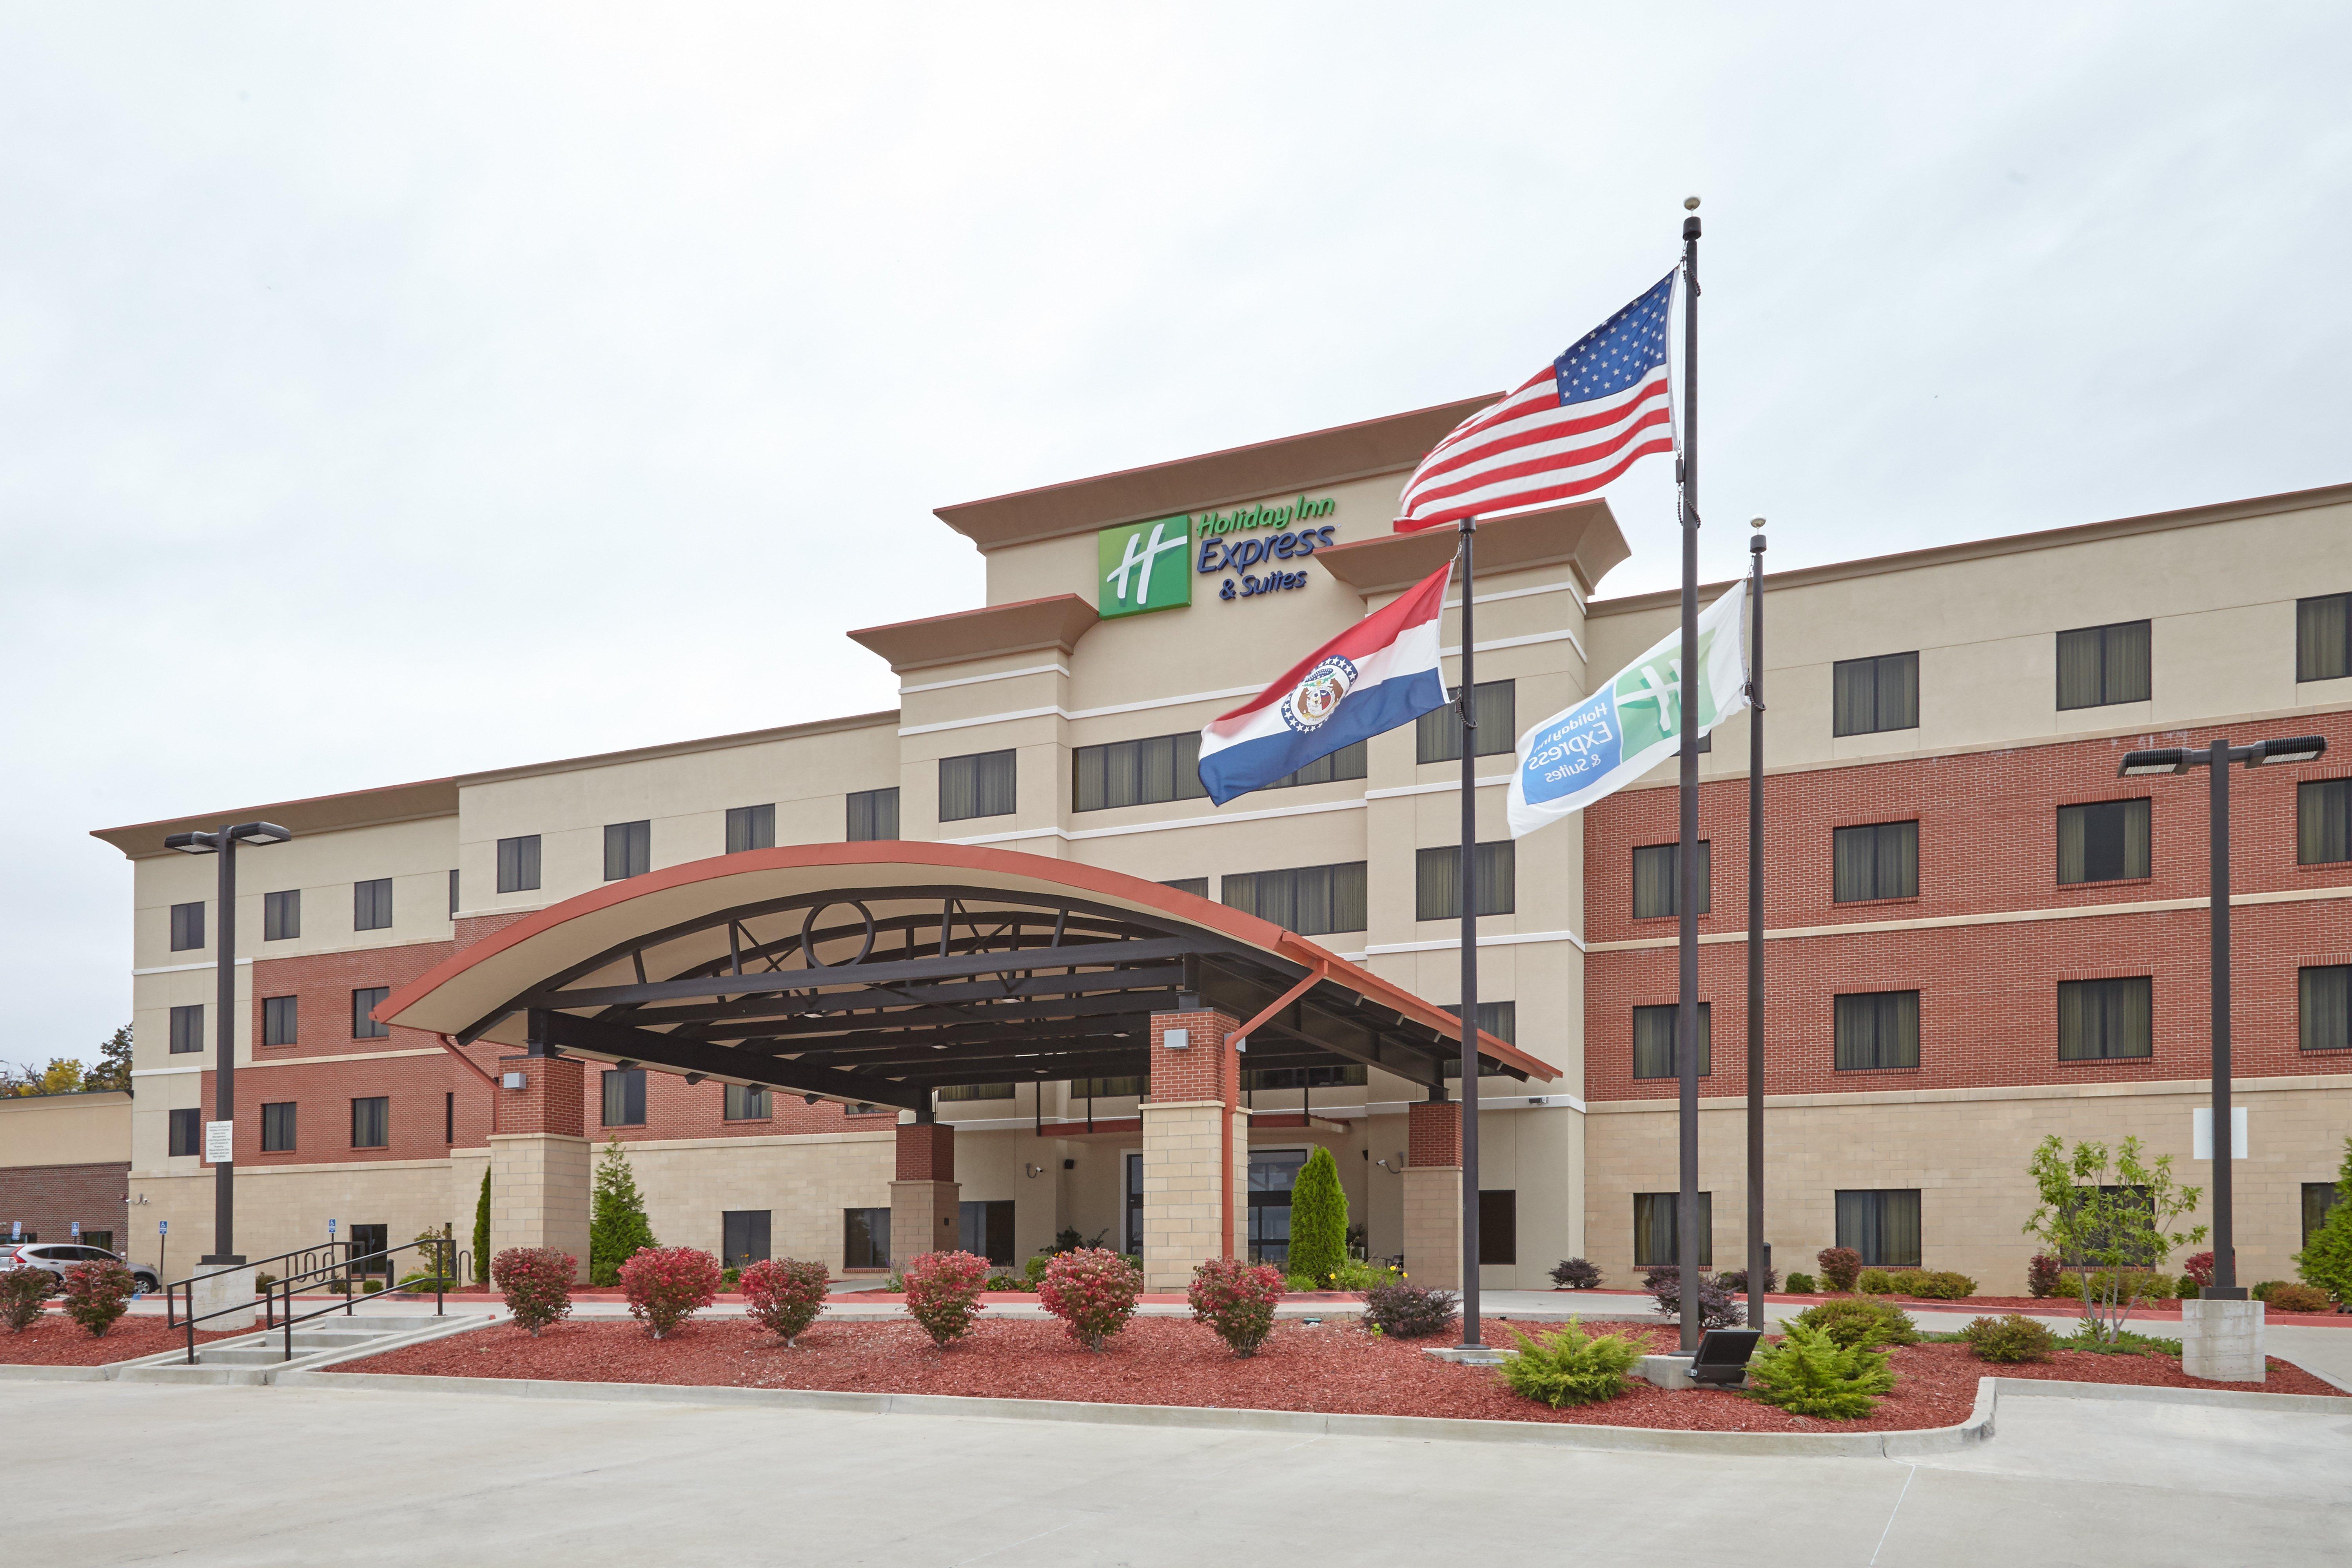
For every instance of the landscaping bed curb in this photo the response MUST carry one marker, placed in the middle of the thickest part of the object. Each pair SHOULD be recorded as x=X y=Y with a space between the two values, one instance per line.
x=1424 y=1428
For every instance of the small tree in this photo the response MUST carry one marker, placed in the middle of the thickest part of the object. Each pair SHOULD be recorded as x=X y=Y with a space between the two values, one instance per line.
x=2326 y=1262
x=113 y=1068
x=482 y=1231
x=618 y=1228
x=2108 y=1215
x=1318 y=1220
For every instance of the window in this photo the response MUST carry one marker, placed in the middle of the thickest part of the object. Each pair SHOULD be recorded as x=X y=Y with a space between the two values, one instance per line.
x=1347 y=763
x=364 y=1001
x=277 y=1027
x=2323 y=637
x=1868 y=695
x=1334 y=1075
x=278 y=1128
x=873 y=813
x=187 y=927
x=628 y=849
x=1658 y=884
x=519 y=864
x=282 y=915
x=2319 y=1199
x=985 y=1230
x=750 y=827
x=1654 y=1041
x=371 y=1127
x=745 y=1102
x=1437 y=881
x=1437 y=734
x=977 y=785
x=1108 y=1088
x=188 y=1131
x=2099 y=1019
x=372 y=905
x=453 y=892
x=624 y=1097
x=866 y=1238
x=2105 y=842
x=1196 y=886
x=2324 y=1001
x=187 y=1028
x=371 y=1242
x=963 y=1091
x=450 y=1116
x=1880 y=861
x=1499 y=1227
x=2323 y=821
x=2100 y=665
x=1137 y=772
x=1273 y=1175
x=1881 y=1224
x=1877 y=1030
x=1309 y=900
x=1657 y=1230
x=743 y=1237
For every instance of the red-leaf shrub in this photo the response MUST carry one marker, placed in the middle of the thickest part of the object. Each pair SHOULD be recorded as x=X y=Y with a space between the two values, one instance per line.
x=943 y=1293
x=1409 y=1311
x=668 y=1285
x=1717 y=1307
x=536 y=1282
x=1093 y=1291
x=22 y=1290
x=784 y=1295
x=1841 y=1267
x=97 y=1294
x=2199 y=1268
x=2043 y=1271
x=1236 y=1300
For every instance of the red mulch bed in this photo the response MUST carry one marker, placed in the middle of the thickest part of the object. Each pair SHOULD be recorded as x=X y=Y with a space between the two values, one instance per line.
x=2166 y=1311
x=57 y=1339
x=1331 y=1367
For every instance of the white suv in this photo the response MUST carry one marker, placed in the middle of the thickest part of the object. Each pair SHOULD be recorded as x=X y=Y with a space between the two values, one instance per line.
x=56 y=1257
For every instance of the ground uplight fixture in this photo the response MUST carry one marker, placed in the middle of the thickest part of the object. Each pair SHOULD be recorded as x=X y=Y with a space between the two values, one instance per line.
x=2215 y=759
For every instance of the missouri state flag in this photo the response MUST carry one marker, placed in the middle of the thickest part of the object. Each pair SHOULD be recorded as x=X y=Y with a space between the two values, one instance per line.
x=1378 y=674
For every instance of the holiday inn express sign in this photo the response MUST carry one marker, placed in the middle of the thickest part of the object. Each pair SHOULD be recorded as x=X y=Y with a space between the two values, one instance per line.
x=1151 y=566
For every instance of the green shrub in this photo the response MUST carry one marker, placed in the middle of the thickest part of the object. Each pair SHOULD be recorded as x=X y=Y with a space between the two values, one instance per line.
x=2326 y=1261
x=1318 y=1220
x=728 y=1278
x=1572 y=1367
x=1800 y=1284
x=2012 y=1337
x=262 y=1282
x=2087 y=1336
x=2128 y=1285
x=482 y=1231
x=1860 y=1323
x=371 y=1286
x=618 y=1228
x=1809 y=1373
x=1876 y=1283
x=1299 y=1283
x=2286 y=1297
x=2187 y=1288
x=1940 y=1285
x=1034 y=1270
x=2263 y=1289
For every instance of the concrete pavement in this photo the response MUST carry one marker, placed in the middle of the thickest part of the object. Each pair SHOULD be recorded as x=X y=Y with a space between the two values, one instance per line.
x=111 y=1473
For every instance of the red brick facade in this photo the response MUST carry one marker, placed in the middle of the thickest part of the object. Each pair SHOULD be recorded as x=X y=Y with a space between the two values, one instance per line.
x=548 y=1100
x=1433 y=1134
x=1208 y=1067
x=48 y=1199
x=926 y=1152
x=1988 y=849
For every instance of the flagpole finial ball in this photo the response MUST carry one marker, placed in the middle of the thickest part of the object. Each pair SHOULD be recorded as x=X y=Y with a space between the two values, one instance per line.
x=1690 y=203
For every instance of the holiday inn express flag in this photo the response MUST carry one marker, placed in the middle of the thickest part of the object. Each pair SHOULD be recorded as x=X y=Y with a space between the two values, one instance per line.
x=1631 y=725
x=1378 y=674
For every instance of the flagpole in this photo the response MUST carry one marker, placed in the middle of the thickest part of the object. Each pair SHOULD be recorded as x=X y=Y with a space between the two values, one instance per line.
x=1756 y=1265
x=1467 y=704
x=1686 y=1016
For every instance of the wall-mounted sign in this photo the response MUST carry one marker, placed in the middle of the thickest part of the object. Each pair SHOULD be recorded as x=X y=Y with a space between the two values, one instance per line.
x=1143 y=566
x=220 y=1142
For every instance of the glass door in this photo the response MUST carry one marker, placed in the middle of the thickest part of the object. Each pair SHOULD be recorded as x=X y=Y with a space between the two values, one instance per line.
x=1272 y=1175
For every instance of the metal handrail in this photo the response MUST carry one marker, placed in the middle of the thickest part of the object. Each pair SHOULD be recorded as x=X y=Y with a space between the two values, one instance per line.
x=171 y=1291
x=444 y=1250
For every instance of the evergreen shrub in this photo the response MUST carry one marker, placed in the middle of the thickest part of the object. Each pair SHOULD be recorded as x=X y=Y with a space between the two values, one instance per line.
x=2010 y=1338
x=2326 y=1261
x=2289 y=1296
x=618 y=1226
x=1860 y=1323
x=1806 y=1373
x=1572 y=1366
x=1801 y=1283
x=1318 y=1221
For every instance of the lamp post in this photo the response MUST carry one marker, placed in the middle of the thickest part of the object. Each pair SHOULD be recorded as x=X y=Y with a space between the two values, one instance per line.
x=224 y=844
x=2216 y=759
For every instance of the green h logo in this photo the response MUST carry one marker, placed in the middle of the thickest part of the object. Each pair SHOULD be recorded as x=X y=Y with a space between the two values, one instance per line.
x=1144 y=566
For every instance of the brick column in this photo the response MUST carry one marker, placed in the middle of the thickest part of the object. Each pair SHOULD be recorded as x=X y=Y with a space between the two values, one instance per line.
x=1196 y=1149
x=1433 y=1194
x=924 y=1196
x=539 y=1159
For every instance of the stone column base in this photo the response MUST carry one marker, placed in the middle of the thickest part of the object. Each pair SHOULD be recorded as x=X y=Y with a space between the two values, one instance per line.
x=923 y=1217
x=230 y=1287
x=539 y=1194
x=1186 y=1145
x=1432 y=1226
x=2222 y=1340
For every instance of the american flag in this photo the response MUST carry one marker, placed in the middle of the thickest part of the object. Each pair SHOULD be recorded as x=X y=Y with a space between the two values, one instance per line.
x=1573 y=426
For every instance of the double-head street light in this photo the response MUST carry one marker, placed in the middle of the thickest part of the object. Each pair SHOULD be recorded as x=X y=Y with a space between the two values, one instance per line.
x=2216 y=759
x=224 y=844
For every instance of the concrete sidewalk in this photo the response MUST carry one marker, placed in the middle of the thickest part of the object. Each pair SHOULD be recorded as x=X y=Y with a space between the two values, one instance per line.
x=263 y=1476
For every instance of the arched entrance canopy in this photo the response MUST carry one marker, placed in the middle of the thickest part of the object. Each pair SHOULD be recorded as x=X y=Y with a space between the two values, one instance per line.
x=880 y=971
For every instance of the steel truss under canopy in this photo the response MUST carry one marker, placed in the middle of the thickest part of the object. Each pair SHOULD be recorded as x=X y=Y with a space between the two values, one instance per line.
x=885 y=993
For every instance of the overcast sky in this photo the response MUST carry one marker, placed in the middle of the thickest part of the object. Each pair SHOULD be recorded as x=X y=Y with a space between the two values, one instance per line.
x=394 y=392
